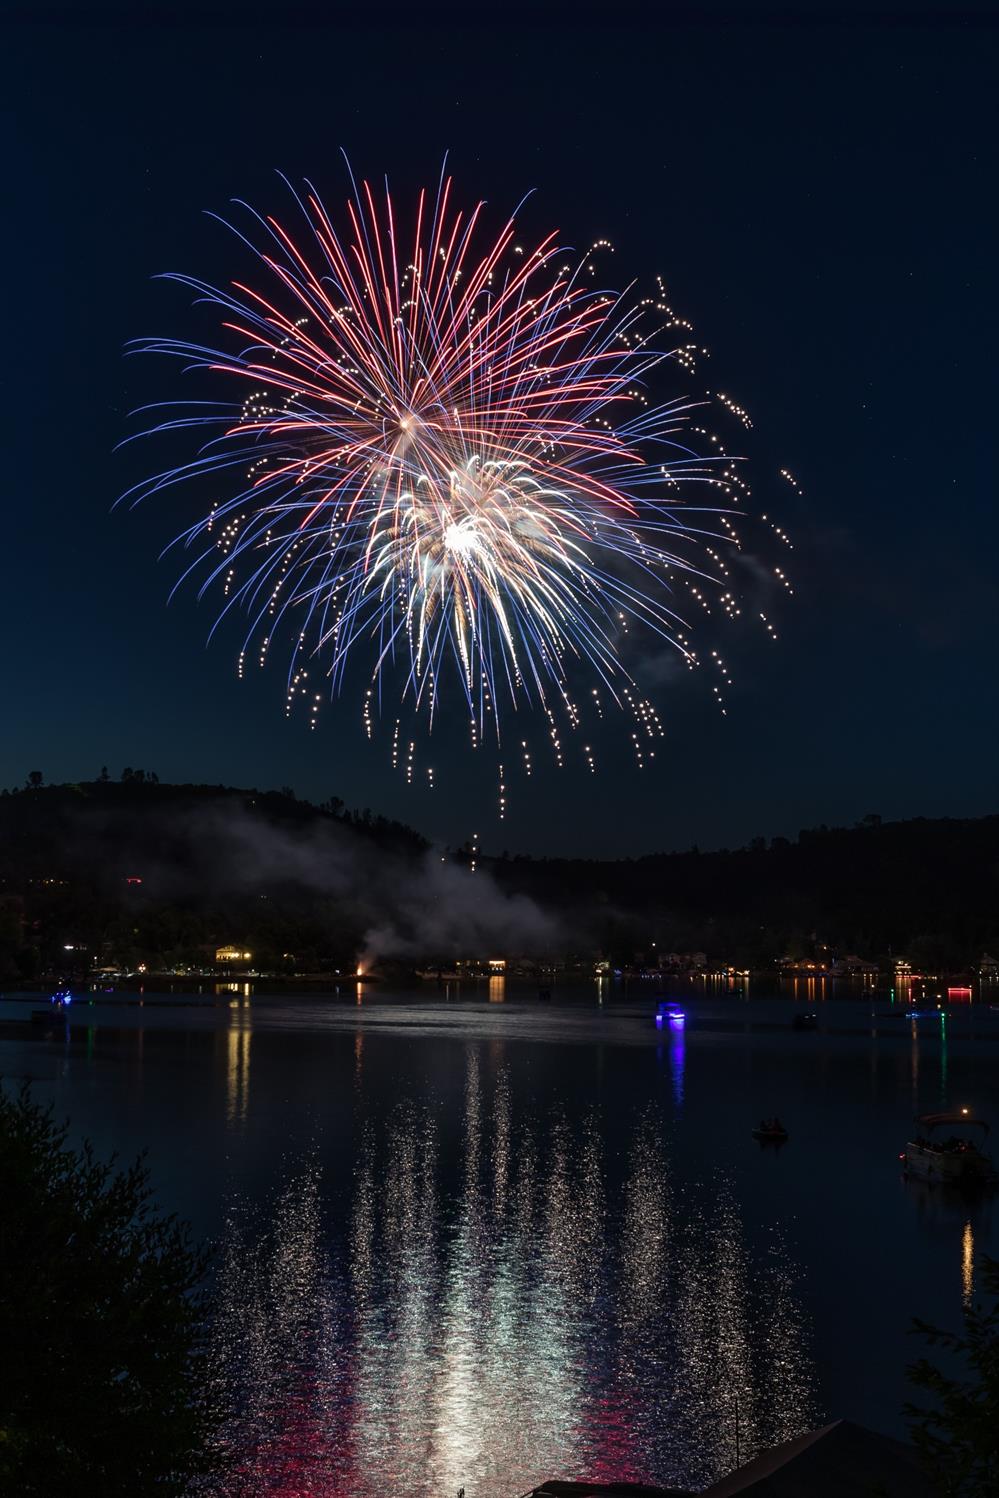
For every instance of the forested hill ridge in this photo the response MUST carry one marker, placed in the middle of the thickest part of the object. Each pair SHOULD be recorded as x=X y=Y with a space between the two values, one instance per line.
x=103 y=828
x=161 y=871
x=926 y=888
x=133 y=871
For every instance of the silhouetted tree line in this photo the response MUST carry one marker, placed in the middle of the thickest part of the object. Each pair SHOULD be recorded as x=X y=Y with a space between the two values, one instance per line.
x=134 y=870
x=924 y=889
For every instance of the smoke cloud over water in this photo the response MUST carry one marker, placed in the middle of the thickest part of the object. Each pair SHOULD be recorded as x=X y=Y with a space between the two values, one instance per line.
x=407 y=903
x=447 y=908
x=186 y=867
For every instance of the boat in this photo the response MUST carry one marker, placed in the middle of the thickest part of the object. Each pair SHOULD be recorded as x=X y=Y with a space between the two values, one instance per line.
x=58 y=1007
x=910 y=1013
x=669 y=1012
x=438 y=975
x=806 y=1021
x=771 y=1133
x=952 y=1160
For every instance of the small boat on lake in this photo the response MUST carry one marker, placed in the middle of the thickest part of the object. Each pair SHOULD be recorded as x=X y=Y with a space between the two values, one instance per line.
x=58 y=1008
x=809 y=1020
x=770 y=1131
x=949 y=1160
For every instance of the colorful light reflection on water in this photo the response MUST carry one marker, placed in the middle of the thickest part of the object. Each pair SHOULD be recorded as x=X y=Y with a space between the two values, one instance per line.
x=483 y=1243
x=511 y=1303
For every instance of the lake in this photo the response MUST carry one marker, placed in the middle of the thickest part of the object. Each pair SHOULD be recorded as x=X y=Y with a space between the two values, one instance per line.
x=467 y=1238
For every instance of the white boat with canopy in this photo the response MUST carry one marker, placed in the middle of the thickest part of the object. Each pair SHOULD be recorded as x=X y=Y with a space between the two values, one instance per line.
x=949 y=1158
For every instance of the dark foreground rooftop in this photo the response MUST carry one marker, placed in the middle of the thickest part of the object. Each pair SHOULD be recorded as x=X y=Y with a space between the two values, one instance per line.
x=841 y=1460
x=606 y=1490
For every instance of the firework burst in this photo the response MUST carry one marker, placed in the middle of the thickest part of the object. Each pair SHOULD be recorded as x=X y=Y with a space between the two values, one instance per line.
x=450 y=468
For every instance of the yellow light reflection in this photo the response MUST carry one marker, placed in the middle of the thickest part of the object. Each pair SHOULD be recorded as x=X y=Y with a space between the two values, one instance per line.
x=238 y=1041
x=967 y=1264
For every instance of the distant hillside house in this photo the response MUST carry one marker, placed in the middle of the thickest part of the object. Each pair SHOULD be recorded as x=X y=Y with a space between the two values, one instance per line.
x=231 y=954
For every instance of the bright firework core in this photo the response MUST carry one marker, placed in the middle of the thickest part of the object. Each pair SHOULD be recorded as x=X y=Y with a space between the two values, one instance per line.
x=446 y=461
x=460 y=537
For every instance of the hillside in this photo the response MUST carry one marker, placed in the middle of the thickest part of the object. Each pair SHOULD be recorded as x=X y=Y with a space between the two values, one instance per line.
x=928 y=889
x=133 y=870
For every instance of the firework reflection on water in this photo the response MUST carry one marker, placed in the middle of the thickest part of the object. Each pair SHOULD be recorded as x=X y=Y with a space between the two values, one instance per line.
x=545 y=1309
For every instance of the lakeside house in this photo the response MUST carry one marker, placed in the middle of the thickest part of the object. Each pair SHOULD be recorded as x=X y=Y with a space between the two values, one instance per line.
x=808 y=967
x=852 y=967
x=230 y=956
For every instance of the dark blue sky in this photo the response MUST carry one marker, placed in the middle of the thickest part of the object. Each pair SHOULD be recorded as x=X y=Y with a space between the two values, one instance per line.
x=820 y=196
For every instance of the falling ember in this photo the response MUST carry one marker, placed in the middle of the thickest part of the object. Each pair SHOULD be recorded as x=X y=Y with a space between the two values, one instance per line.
x=453 y=468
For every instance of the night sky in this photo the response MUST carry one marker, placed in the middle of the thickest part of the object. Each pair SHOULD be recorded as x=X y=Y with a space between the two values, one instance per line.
x=820 y=196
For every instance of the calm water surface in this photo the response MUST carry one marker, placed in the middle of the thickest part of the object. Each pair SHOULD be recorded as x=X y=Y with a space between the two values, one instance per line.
x=477 y=1240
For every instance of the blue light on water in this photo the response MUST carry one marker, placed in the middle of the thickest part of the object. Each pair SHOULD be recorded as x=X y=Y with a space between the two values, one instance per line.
x=665 y=1010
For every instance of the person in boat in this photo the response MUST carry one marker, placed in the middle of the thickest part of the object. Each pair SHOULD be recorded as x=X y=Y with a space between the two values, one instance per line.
x=777 y=1126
